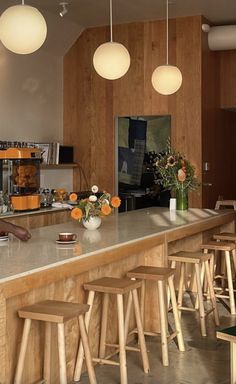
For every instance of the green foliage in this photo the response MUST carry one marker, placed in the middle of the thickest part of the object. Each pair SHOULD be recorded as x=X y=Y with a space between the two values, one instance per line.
x=175 y=171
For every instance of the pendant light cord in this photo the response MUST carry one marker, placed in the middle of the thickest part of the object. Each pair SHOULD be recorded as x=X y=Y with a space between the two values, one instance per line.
x=111 y=36
x=167 y=33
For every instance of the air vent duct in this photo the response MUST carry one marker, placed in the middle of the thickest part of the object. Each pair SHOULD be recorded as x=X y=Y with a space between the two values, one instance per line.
x=221 y=38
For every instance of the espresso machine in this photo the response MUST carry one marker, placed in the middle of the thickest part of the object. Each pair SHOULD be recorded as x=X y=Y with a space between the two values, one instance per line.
x=23 y=175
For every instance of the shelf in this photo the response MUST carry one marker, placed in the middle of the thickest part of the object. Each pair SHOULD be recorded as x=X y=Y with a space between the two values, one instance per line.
x=53 y=166
x=58 y=166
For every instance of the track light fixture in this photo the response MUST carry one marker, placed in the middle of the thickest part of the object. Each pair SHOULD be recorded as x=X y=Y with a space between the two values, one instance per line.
x=64 y=9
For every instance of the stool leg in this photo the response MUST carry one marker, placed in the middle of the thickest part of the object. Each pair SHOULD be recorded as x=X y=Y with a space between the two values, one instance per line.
x=232 y=362
x=204 y=286
x=142 y=301
x=80 y=356
x=180 y=290
x=176 y=314
x=200 y=299
x=21 y=359
x=141 y=337
x=234 y=260
x=84 y=337
x=123 y=366
x=162 y=311
x=127 y=316
x=230 y=283
x=211 y=292
x=191 y=281
x=172 y=266
x=47 y=353
x=212 y=265
x=62 y=352
x=102 y=348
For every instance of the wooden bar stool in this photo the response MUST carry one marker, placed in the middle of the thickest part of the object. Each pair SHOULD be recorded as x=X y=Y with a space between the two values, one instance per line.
x=227 y=236
x=118 y=287
x=201 y=264
x=52 y=311
x=229 y=334
x=225 y=203
x=164 y=278
x=227 y=250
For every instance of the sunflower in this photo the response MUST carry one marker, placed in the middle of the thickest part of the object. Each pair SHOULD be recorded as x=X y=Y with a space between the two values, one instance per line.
x=171 y=161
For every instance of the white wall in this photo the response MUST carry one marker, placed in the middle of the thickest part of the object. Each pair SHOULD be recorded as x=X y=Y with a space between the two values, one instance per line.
x=59 y=178
x=31 y=96
x=31 y=86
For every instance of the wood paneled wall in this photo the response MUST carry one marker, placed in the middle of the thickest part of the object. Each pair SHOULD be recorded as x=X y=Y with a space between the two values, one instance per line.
x=228 y=79
x=218 y=124
x=91 y=103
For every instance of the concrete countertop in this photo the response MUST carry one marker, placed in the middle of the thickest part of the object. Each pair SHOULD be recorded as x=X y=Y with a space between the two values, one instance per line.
x=41 y=252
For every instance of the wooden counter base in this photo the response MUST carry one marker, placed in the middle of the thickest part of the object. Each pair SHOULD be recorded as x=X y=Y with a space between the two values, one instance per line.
x=65 y=282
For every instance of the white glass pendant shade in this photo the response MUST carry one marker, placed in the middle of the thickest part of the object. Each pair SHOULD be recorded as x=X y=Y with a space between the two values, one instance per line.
x=111 y=60
x=23 y=29
x=166 y=79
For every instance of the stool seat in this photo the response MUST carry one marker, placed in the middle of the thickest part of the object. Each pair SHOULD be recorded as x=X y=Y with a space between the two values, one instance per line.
x=112 y=285
x=164 y=278
x=225 y=236
x=150 y=273
x=201 y=262
x=218 y=246
x=53 y=311
x=190 y=257
x=59 y=312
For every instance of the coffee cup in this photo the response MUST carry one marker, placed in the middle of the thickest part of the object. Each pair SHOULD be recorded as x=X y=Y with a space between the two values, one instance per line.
x=67 y=236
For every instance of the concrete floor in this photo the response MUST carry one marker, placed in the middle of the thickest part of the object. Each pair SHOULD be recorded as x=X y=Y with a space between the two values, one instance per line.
x=205 y=361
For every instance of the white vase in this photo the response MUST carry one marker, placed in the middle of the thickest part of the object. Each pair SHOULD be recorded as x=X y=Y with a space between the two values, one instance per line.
x=94 y=222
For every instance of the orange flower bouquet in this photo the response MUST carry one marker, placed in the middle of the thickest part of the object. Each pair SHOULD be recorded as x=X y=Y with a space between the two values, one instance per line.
x=94 y=206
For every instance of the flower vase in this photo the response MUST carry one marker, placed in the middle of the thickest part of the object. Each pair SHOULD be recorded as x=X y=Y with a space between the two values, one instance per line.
x=181 y=199
x=92 y=223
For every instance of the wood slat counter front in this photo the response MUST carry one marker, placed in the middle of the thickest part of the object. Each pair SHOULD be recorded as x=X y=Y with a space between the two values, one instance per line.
x=42 y=269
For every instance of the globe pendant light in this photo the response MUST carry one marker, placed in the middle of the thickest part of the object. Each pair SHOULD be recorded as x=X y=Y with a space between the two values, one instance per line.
x=111 y=60
x=166 y=79
x=23 y=29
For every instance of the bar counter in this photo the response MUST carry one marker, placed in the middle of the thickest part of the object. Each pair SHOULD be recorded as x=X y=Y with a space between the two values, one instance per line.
x=43 y=269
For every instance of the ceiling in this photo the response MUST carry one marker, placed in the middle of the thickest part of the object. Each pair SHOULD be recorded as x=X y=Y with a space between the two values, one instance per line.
x=89 y=13
x=62 y=32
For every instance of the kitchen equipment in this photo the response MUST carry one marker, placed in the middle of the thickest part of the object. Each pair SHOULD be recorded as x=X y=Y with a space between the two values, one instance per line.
x=23 y=167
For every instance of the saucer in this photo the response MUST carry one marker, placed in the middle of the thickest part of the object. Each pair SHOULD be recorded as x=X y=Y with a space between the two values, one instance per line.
x=72 y=202
x=66 y=242
x=4 y=238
